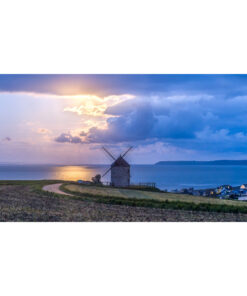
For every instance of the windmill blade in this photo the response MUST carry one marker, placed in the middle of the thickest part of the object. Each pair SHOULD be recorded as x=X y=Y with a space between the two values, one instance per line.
x=106 y=172
x=127 y=151
x=108 y=153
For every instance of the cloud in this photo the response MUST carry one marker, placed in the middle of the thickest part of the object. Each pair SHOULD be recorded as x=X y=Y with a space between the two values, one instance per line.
x=6 y=139
x=131 y=126
x=200 y=113
x=105 y=85
x=198 y=123
x=145 y=118
x=91 y=105
x=68 y=138
x=43 y=131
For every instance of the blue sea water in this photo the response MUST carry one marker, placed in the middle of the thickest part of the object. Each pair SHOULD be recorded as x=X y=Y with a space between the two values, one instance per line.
x=165 y=176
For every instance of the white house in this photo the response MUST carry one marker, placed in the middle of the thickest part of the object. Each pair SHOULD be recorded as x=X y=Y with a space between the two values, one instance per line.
x=243 y=186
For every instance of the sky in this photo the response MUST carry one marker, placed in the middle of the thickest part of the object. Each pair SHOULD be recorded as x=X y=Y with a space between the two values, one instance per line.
x=66 y=119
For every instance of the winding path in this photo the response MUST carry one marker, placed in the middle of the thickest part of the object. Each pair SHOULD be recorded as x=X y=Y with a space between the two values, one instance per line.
x=55 y=189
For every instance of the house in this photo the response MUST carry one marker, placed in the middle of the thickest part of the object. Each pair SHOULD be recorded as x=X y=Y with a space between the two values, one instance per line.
x=223 y=193
x=243 y=186
x=226 y=191
x=223 y=188
x=228 y=187
x=243 y=192
x=209 y=192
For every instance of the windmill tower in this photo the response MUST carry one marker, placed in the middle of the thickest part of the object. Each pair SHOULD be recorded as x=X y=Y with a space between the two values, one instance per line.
x=120 y=170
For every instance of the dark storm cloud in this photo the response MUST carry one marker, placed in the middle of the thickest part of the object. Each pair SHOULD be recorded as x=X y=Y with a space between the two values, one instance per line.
x=157 y=118
x=131 y=126
x=194 y=122
x=226 y=85
x=199 y=122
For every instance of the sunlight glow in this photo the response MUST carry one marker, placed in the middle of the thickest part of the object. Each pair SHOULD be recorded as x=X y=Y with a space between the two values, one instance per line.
x=95 y=106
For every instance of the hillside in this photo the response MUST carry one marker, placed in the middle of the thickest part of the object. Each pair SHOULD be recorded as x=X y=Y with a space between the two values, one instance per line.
x=195 y=162
x=27 y=201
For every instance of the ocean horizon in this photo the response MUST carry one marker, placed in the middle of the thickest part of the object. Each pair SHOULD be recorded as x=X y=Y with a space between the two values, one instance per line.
x=165 y=176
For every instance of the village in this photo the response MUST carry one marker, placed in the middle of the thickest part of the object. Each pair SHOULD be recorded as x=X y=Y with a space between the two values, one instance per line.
x=221 y=192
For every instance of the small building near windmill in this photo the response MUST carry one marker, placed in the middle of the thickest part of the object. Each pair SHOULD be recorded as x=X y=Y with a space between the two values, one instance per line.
x=120 y=173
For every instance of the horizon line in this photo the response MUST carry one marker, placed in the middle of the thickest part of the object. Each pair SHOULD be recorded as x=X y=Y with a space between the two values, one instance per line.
x=105 y=164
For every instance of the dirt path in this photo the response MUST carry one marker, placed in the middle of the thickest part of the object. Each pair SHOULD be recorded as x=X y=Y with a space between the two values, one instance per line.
x=55 y=189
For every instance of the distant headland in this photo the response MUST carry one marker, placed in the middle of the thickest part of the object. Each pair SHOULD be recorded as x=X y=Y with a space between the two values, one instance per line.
x=210 y=162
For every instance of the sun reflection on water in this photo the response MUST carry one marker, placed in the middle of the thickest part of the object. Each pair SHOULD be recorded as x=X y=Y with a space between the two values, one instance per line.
x=74 y=173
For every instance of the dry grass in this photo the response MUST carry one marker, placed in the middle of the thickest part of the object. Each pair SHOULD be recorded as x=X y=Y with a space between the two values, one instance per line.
x=158 y=196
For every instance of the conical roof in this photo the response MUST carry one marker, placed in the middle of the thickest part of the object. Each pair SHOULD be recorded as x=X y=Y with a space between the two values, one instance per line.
x=120 y=162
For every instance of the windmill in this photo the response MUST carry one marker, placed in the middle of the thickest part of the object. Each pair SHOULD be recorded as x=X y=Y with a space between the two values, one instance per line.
x=120 y=169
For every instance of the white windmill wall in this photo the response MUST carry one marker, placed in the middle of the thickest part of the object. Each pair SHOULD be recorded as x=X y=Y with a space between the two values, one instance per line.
x=120 y=176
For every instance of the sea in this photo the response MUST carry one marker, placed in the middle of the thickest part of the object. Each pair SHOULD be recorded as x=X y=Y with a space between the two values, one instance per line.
x=168 y=177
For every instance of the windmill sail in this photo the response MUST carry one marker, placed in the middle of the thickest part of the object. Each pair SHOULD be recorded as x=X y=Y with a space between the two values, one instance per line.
x=105 y=173
x=127 y=151
x=108 y=153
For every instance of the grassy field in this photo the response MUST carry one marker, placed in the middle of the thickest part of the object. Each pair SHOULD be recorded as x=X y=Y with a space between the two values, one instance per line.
x=161 y=200
x=147 y=195
x=26 y=201
x=33 y=183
